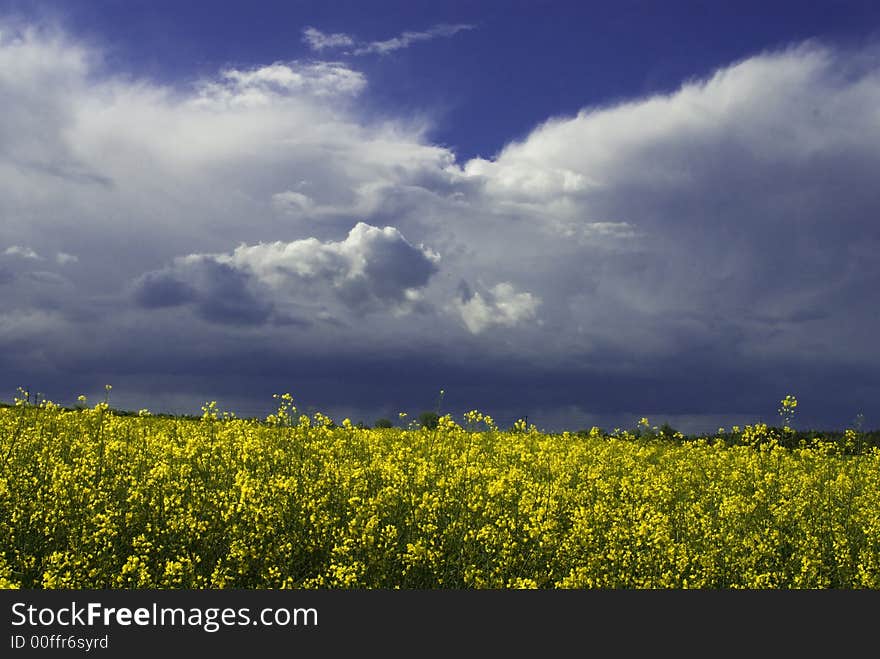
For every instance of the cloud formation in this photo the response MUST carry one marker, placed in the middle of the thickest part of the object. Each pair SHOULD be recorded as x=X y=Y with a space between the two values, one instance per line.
x=500 y=305
x=320 y=41
x=608 y=262
x=266 y=84
x=372 y=269
x=21 y=252
x=407 y=38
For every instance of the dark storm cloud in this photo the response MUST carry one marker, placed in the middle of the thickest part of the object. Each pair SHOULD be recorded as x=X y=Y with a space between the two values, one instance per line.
x=243 y=376
x=227 y=296
x=465 y=292
x=218 y=292
x=162 y=289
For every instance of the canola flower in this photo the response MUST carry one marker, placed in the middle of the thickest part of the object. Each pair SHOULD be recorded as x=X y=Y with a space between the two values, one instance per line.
x=787 y=409
x=92 y=499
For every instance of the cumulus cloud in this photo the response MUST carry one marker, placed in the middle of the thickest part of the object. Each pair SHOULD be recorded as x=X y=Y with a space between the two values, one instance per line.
x=219 y=292
x=500 y=305
x=163 y=288
x=381 y=263
x=371 y=269
x=715 y=191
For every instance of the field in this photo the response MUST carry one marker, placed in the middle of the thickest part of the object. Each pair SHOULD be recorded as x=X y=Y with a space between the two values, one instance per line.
x=94 y=499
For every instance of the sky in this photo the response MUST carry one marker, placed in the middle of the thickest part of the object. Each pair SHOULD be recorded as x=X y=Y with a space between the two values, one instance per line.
x=579 y=213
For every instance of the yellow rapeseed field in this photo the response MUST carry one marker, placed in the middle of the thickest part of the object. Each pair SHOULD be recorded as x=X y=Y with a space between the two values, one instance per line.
x=92 y=499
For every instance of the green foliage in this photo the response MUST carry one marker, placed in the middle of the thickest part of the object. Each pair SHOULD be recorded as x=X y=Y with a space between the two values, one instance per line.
x=429 y=420
x=667 y=431
x=383 y=423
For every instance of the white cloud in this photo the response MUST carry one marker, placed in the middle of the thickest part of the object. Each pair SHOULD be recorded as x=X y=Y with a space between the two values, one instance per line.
x=22 y=252
x=688 y=204
x=265 y=85
x=319 y=41
x=371 y=269
x=501 y=305
x=406 y=39
x=63 y=258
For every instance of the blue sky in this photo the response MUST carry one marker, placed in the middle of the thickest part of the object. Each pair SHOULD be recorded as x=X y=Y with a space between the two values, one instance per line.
x=521 y=62
x=580 y=212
